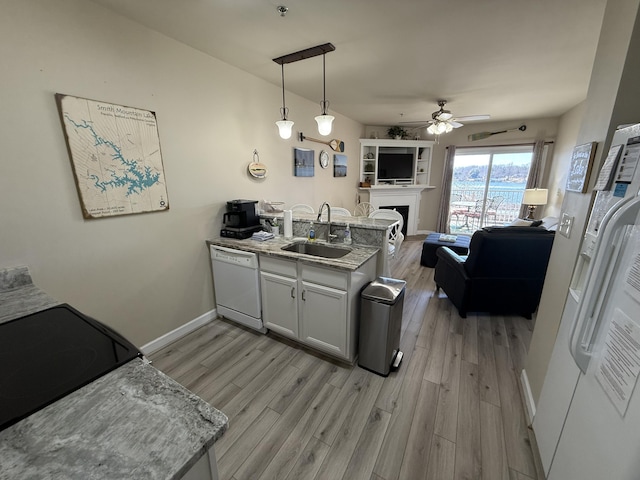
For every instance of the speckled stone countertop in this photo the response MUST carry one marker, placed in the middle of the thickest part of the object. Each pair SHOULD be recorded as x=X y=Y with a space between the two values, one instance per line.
x=357 y=256
x=134 y=422
x=361 y=222
x=19 y=296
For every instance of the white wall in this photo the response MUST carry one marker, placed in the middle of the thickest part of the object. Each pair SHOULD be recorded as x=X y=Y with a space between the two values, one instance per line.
x=562 y=257
x=612 y=99
x=147 y=274
x=556 y=177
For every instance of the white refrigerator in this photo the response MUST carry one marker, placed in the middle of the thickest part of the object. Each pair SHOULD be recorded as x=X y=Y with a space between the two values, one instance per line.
x=587 y=421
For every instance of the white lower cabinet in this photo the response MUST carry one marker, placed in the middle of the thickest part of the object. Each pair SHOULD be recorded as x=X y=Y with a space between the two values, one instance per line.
x=280 y=303
x=323 y=318
x=317 y=306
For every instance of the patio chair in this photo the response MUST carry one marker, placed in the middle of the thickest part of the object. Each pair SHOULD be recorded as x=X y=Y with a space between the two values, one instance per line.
x=474 y=214
x=492 y=208
x=456 y=210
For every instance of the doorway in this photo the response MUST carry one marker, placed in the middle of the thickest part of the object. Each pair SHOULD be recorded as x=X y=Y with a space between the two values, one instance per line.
x=487 y=186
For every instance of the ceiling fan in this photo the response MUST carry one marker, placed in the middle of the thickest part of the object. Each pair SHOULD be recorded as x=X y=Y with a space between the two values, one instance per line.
x=443 y=121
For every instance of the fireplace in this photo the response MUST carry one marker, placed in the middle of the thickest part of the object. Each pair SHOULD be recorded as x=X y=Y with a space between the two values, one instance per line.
x=402 y=210
x=405 y=199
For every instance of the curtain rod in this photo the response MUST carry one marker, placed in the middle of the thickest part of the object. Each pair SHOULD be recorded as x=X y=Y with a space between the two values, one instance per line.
x=550 y=142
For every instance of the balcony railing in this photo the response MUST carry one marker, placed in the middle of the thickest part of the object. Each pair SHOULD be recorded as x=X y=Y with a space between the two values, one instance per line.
x=507 y=210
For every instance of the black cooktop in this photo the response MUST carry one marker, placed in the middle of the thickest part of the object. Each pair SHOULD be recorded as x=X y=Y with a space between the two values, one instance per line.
x=49 y=354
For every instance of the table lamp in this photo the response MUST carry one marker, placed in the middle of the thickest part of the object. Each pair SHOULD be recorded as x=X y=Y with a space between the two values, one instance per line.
x=534 y=197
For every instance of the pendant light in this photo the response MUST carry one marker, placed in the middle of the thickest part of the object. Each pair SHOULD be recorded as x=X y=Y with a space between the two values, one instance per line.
x=324 y=120
x=284 y=125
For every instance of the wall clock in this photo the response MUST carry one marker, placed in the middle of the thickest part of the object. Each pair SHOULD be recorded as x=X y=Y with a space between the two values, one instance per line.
x=324 y=159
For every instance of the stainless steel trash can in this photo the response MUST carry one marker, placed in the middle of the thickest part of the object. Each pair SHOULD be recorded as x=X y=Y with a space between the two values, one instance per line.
x=380 y=325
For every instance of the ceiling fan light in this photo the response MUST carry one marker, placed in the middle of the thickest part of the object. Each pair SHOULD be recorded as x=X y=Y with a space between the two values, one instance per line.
x=449 y=127
x=441 y=127
x=432 y=129
x=324 y=124
x=284 y=128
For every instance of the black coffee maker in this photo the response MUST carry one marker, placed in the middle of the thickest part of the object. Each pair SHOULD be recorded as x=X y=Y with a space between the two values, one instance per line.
x=241 y=219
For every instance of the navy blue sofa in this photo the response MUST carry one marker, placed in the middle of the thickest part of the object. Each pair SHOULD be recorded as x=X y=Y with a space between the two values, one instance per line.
x=503 y=273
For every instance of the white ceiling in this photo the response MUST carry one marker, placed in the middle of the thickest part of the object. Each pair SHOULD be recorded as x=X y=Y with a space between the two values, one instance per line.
x=511 y=59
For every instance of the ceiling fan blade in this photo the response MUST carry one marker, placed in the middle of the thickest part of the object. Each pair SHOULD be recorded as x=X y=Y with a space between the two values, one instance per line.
x=444 y=116
x=473 y=118
x=455 y=124
x=418 y=122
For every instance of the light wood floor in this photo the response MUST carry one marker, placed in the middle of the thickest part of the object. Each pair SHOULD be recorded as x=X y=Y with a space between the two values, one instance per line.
x=452 y=411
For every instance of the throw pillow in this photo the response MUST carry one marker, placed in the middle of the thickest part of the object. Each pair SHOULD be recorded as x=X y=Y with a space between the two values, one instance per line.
x=521 y=222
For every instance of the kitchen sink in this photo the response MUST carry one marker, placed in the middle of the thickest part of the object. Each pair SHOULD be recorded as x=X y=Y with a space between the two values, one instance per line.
x=317 y=249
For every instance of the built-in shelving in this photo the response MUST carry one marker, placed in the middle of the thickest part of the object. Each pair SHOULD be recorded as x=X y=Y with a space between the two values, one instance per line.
x=371 y=173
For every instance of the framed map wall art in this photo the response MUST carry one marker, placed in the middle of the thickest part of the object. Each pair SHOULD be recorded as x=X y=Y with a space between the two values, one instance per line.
x=115 y=156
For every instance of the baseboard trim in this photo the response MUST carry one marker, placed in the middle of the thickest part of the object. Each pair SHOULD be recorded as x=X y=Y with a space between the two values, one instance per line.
x=181 y=331
x=530 y=404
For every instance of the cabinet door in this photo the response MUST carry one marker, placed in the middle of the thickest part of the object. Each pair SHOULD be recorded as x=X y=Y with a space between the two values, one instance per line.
x=324 y=318
x=280 y=304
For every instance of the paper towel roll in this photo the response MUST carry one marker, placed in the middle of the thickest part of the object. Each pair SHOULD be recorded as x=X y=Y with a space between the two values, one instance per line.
x=288 y=224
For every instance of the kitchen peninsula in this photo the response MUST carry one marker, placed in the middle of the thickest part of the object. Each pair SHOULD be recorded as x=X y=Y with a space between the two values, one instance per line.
x=309 y=291
x=133 y=422
x=372 y=233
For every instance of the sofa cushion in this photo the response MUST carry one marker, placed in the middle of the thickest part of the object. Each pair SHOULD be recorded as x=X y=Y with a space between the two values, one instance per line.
x=511 y=251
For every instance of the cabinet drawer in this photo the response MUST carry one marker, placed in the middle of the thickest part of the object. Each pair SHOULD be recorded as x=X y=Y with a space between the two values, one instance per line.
x=325 y=276
x=278 y=265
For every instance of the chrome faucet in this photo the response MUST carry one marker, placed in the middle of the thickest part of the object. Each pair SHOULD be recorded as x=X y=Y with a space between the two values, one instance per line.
x=328 y=212
x=329 y=235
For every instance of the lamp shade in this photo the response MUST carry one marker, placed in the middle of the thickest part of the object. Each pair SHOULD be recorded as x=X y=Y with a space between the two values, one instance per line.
x=535 y=196
x=324 y=124
x=284 y=128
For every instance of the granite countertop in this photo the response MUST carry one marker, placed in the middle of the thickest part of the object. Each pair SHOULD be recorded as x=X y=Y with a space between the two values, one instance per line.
x=360 y=222
x=358 y=255
x=134 y=422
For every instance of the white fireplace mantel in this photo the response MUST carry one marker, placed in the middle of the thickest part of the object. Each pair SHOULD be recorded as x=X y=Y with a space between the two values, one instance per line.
x=394 y=195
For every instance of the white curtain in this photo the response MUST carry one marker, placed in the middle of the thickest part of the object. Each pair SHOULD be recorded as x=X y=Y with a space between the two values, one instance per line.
x=445 y=194
x=535 y=172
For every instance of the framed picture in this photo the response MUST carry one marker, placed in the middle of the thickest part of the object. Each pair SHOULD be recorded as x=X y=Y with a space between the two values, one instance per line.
x=339 y=165
x=580 y=168
x=303 y=162
x=115 y=156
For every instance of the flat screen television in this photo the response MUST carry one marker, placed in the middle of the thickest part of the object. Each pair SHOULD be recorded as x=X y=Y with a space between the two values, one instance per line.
x=395 y=165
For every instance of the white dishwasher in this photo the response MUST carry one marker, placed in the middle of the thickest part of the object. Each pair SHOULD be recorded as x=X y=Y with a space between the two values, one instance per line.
x=236 y=283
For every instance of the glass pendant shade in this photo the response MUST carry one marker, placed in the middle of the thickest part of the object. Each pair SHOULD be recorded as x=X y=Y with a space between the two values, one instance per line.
x=324 y=120
x=284 y=125
x=284 y=128
x=439 y=128
x=324 y=124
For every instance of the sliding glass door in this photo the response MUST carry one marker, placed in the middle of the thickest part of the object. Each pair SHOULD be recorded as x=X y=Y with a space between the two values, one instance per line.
x=487 y=186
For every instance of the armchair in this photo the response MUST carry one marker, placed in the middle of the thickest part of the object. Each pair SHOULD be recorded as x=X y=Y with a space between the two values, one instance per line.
x=503 y=273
